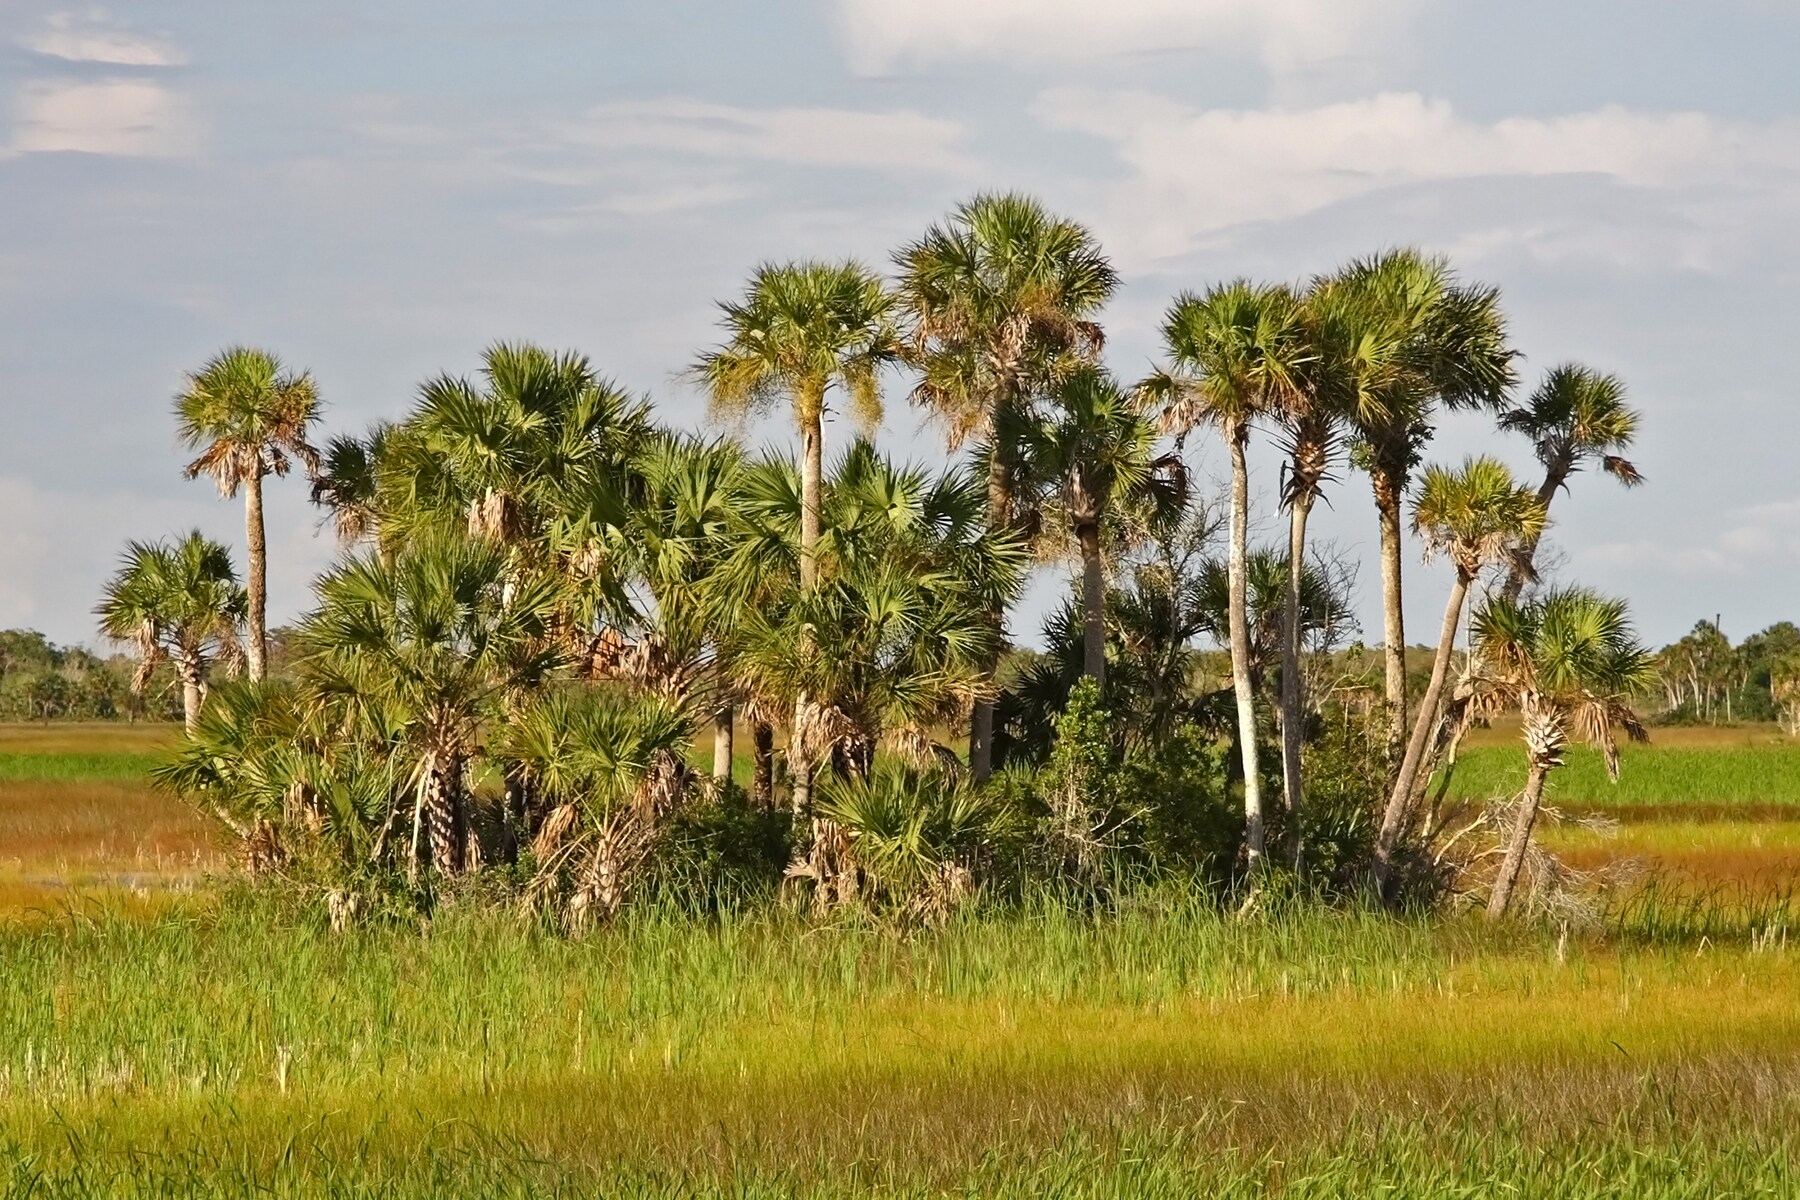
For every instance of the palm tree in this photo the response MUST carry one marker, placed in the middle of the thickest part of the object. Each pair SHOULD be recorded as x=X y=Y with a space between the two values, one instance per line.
x=1098 y=451
x=442 y=632
x=1571 y=662
x=801 y=329
x=347 y=485
x=999 y=302
x=1576 y=415
x=247 y=415
x=1476 y=516
x=1428 y=340
x=1236 y=354
x=178 y=601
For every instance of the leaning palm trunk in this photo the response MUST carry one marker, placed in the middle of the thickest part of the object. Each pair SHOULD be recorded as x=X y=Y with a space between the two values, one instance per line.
x=1293 y=699
x=1393 y=623
x=1524 y=562
x=1545 y=736
x=1399 y=806
x=1240 y=650
x=256 y=580
x=1093 y=606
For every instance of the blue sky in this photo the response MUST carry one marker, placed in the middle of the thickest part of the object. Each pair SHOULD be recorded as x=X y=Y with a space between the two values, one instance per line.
x=377 y=190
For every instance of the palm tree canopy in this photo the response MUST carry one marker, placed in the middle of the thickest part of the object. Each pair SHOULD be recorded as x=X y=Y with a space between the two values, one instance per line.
x=1235 y=353
x=1096 y=448
x=1576 y=414
x=1475 y=513
x=998 y=300
x=800 y=328
x=1572 y=651
x=174 y=597
x=247 y=414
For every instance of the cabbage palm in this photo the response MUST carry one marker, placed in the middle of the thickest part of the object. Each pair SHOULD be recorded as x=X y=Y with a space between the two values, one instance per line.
x=1575 y=416
x=1476 y=516
x=999 y=301
x=1236 y=354
x=1097 y=451
x=441 y=632
x=1571 y=662
x=179 y=601
x=801 y=329
x=247 y=415
x=1427 y=340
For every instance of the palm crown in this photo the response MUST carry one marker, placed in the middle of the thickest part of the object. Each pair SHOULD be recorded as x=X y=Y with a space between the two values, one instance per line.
x=1576 y=414
x=1474 y=515
x=247 y=415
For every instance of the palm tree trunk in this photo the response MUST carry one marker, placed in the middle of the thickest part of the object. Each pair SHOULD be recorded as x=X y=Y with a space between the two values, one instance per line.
x=981 y=719
x=762 y=777
x=256 y=577
x=445 y=819
x=1524 y=558
x=1399 y=804
x=1240 y=648
x=192 y=669
x=722 y=742
x=1393 y=623
x=812 y=470
x=1293 y=701
x=1093 y=606
x=1519 y=842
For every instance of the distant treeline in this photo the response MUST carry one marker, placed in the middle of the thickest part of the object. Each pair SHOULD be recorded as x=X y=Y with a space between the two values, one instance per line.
x=42 y=681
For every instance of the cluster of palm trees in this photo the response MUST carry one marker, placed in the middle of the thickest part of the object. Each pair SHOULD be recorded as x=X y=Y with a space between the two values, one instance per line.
x=541 y=582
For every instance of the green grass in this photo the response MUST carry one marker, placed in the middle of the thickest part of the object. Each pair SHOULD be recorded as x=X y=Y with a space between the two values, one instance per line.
x=1650 y=776
x=1146 y=1052
x=35 y=768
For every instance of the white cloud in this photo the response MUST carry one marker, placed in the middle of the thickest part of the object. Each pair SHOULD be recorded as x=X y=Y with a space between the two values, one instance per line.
x=822 y=137
x=1283 y=34
x=119 y=116
x=94 y=37
x=1750 y=539
x=1199 y=172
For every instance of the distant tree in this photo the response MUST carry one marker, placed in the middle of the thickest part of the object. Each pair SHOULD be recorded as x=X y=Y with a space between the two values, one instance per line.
x=180 y=602
x=247 y=415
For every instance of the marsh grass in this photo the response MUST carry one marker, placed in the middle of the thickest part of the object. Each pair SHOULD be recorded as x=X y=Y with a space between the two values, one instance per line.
x=1759 y=773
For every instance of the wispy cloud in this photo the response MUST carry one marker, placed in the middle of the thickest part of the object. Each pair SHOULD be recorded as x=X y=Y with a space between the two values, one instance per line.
x=1283 y=34
x=134 y=117
x=94 y=37
x=1195 y=172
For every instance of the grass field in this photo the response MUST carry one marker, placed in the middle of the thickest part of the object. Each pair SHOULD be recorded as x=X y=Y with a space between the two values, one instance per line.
x=194 y=1039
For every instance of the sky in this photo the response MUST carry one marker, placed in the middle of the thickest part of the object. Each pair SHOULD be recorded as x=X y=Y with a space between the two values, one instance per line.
x=378 y=189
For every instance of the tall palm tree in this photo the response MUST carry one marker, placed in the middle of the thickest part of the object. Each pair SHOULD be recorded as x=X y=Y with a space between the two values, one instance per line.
x=246 y=415
x=442 y=632
x=1576 y=415
x=999 y=301
x=1098 y=451
x=1571 y=662
x=179 y=601
x=1430 y=341
x=1476 y=516
x=1235 y=355
x=801 y=329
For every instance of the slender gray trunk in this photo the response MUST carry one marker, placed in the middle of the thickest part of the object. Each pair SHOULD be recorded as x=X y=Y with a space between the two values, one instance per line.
x=812 y=471
x=256 y=581
x=1293 y=699
x=1093 y=603
x=1516 y=846
x=981 y=718
x=722 y=742
x=1240 y=648
x=1399 y=805
x=1393 y=623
